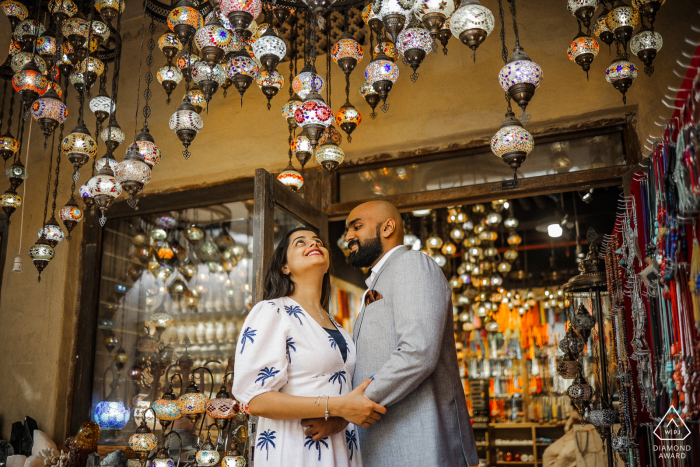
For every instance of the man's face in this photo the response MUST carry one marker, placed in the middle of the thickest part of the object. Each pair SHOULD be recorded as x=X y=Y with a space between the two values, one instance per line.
x=364 y=240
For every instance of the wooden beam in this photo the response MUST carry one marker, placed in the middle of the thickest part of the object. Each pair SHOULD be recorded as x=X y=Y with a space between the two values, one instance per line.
x=581 y=180
x=263 y=228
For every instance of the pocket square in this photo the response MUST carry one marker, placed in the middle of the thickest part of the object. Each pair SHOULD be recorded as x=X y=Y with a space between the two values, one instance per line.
x=372 y=296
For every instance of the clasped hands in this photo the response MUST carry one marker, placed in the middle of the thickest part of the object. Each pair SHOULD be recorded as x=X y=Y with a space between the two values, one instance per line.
x=354 y=407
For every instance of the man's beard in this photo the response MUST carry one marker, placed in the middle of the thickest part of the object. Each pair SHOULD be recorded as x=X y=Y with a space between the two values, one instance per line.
x=366 y=253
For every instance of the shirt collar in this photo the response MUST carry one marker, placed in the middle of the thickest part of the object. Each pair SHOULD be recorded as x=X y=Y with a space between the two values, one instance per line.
x=383 y=259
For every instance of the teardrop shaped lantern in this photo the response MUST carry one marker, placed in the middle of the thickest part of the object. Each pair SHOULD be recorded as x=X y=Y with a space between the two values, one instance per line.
x=382 y=73
x=270 y=83
x=348 y=118
x=71 y=215
x=133 y=173
x=314 y=116
x=184 y=20
x=371 y=96
x=41 y=253
x=520 y=77
x=79 y=147
x=186 y=123
x=414 y=44
x=472 y=23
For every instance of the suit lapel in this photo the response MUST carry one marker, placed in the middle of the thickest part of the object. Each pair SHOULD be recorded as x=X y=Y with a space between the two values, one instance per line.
x=358 y=323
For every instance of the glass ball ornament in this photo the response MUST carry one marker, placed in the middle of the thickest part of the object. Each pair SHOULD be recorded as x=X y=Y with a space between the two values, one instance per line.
x=240 y=13
x=472 y=23
x=79 y=146
x=583 y=50
x=269 y=49
x=645 y=45
x=213 y=41
x=169 y=77
x=348 y=118
x=621 y=74
x=622 y=21
x=306 y=81
x=110 y=9
x=49 y=112
x=270 y=84
x=347 y=53
x=184 y=20
x=111 y=415
x=186 y=123
x=414 y=44
x=512 y=143
x=583 y=10
x=291 y=178
x=520 y=77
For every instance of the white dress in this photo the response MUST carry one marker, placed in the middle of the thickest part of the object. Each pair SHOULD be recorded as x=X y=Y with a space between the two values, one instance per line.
x=282 y=348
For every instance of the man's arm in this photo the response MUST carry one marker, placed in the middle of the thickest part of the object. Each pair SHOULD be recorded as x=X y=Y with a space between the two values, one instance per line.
x=420 y=299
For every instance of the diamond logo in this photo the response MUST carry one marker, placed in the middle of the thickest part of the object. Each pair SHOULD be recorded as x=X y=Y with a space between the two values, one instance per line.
x=671 y=427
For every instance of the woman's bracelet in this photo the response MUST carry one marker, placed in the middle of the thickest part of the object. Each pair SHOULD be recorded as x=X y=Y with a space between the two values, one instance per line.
x=317 y=401
x=327 y=414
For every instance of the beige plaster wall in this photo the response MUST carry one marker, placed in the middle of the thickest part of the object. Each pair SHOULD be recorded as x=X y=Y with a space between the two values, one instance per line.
x=454 y=101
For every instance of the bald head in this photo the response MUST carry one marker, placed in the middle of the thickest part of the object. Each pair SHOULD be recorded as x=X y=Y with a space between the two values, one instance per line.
x=373 y=228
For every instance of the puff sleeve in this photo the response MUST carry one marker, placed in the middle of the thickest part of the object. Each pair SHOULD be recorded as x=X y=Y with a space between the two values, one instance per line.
x=261 y=359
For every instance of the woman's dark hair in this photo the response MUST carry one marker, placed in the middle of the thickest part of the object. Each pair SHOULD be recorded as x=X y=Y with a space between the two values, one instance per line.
x=277 y=284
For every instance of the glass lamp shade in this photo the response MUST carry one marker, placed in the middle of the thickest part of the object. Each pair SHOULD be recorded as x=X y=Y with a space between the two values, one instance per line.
x=207 y=458
x=241 y=13
x=63 y=8
x=104 y=188
x=193 y=403
x=41 y=253
x=330 y=156
x=214 y=41
x=381 y=70
x=30 y=82
x=621 y=22
x=79 y=146
x=314 y=111
x=233 y=460
x=92 y=67
x=19 y=60
x=77 y=79
x=414 y=38
x=15 y=11
x=11 y=200
x=302 y=148
x=143 y=442
x=167 y=410
x=109 y=9
x=169 y=44
x=223 y=408
x=187 y=18
x=621 y=74
x=348 y=118
x=306 y=81
x=242 y=65
x=169 y=73
x=270 y=79
x=330 y=135
x=71 y=213
x=114 y=134
x=582 y=9
x=394 y=15
x=197 y=99
x=161 y=320
x=100 y=31
x=583 y=50
x=202 y=72
x=388 y=48
x=648 y=8
x=186 y=123
x=52 y=232
x=46 y=45
x=49 y=111
x=133 y=172
x=162 y=462
x=423 y=8
x=517 y=75
x=347 y=53
x=367 y=89
x=76 y=31
x=14 y=48
x=8 y=146
x=102 y=106
x=150 y=152
x=111 y=415
x=645 y=45
x=85 y=195
x=290 y=109
x=292 y=179
x=512 y=142
x=269 y=49
x=222 y=19
x=27 y=30
x=186 y=61
x=472 y=23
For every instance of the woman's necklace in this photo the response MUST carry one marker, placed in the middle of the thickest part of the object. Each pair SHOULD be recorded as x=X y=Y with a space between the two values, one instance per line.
x=313 y=308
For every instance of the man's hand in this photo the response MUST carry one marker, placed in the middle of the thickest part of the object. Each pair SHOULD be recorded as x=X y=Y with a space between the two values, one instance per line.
x=320 y=428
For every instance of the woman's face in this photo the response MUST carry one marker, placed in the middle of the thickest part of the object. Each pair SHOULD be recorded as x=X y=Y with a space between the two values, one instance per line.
x=305 y=253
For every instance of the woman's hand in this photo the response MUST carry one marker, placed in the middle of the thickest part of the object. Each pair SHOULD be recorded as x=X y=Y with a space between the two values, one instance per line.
x=320 y=428
x=356 y=407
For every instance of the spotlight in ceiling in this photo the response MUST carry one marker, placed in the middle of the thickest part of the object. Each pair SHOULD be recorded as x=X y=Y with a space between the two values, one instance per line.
x=554 y=230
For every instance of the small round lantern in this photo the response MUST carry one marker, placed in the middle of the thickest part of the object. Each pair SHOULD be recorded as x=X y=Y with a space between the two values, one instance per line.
x=213 y=40
x=170 y=45
x=270 y=84
x=520 y=77
x=184 y=20
x=621 y=74
x=512 y=143
x=414 y=44
x=382 y=73
x=41 y=254
x=348 y=119
x=306 y=81
x=193 y=402
x=71 y=215
x=240 y=13
x=645 y=45
x=583 y=50
x=302 y=149
x=472 y=23
x=186 y=123
x=79 y=147
x=269 y=49
x=291 y=178
x=314 y=116
x=347 y=53
x=52 y=232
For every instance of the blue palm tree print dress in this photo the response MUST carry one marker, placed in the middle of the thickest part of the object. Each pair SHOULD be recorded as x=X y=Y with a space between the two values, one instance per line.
x=281 y=348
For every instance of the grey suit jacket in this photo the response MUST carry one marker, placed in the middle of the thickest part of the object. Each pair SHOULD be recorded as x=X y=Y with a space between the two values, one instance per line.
x=406 y=341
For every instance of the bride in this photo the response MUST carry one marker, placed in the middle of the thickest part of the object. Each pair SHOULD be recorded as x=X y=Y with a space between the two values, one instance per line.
x=294 y=363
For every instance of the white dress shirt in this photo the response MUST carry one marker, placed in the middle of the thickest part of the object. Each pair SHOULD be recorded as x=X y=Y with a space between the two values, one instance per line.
x=377 y=267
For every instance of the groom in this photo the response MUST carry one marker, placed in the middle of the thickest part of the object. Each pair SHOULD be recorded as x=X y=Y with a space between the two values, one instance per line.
x=405 y=342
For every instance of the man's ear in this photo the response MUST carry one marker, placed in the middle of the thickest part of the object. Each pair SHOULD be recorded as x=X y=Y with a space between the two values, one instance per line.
x=388 y=228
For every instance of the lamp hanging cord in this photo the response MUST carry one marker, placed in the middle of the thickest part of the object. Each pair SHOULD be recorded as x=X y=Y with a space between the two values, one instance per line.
x=138 y=90
x=148 y=77
x=515 y=22
x=24 y=193
x=48 y=182
x=2 y=106
x=504 y=49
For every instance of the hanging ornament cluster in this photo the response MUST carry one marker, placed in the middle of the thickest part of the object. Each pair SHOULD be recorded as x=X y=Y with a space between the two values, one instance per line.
x=616 y=25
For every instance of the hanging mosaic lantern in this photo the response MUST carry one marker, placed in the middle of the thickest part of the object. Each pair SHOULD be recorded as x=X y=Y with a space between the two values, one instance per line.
x=645 y=45
x=583 y=10
x=291 y=178
x=208 y=78
x=512 y=143
x=109 y=9
x=520 y=77
x=166 y=408
x=580 y=390
x=102 y=106
x=104 y=189
x=147 y=147
x=15 y=12
x=77 y=79
x=86 y=196
x=112 y=135
x=170 y=45
x=46 y=47
x=20 y=59
x=444 y=35
x=568 y=367
x=600 y=27
x=269 y=49
x=64 y=64
x=583 y=50
x=306 y=81
x=196 y=98
x=347 y=53
x=648 y=8
x=184 y=20
x=62 y=10
x=10 y=201
x=270 y=84
x=143 y=441
x=49 y=111
x=100 y=34
x=79 y=147
x=242 y=70
x=207 y=456
x=472 y=23
x=41 y=253
x=302 y=149
x=213 y=41
x=434 y=13
x=186 y=123
x=185 y=62
x=388 y=48
x=414 y=44
x=329 y=155
x=348 y=118
x=193 y=402
x=30 y=83
x=26 y=31
x=290 y=109
x=621 y=74
x=394 y=14
x=133 y=174
x=371 y=96
x=92 y=68
x=314 y=116
x=621 y=21
x=76 y=31
x=382 y=73
x=71 y=215
x=8 y=145
x=240 y=13
x=52 y=232
x=16 y=174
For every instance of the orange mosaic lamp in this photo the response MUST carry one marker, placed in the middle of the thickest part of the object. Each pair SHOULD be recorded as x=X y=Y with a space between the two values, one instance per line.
x=193 y=403
x=223 y=407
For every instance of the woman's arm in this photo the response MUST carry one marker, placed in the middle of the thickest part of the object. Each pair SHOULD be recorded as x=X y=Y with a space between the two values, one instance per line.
x=354 y=407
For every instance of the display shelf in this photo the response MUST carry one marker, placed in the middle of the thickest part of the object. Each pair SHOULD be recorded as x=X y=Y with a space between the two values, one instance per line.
x=505 y=430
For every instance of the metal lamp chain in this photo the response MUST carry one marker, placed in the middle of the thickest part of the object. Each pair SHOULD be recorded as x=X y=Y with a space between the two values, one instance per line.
x=2 y=106
x=86 y=91
x=149 y=76
x=504 y=49
x=138 y=90
x=515 y=22
x=11 y=111
x=20 y=131
x=58 y=156
x=115 y=76
x=48 y=182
